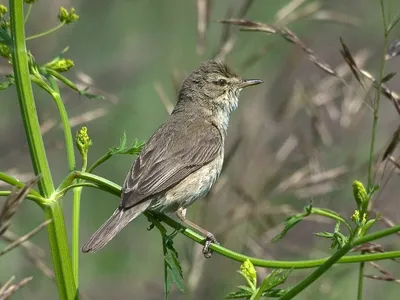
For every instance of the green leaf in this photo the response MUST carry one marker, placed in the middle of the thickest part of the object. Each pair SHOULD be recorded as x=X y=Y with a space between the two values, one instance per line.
x=172 y=268
x=275 y=278
x=367 y=226
x=325 y=234
x=275 y=293
x=6 y=84
x=238 y=295
x=134 y=149
x=290 y=222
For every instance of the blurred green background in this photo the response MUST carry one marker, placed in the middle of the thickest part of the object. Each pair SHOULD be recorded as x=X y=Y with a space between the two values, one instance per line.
x=300 y=136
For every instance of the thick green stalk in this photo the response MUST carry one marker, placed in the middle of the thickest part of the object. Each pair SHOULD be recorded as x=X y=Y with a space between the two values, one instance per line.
x=26 y=101
x=60 y=252
x=56 y=229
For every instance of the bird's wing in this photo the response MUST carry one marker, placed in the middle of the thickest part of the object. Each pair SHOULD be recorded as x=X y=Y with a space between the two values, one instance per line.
x=169 y=156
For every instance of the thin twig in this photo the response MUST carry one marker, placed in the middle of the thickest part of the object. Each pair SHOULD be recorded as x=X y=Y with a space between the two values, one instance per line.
x=169 y=107
x=24 y=238
x=15 y=287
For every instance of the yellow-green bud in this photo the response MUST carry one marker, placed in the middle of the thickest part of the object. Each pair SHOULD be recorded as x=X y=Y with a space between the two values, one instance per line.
x=3 y=10
x=5 y=51
x=248 y=269
x=83 y=141
x=5 y=25
x=360 y=194
x=356 y=216
x=67 y=16
x=60 y=65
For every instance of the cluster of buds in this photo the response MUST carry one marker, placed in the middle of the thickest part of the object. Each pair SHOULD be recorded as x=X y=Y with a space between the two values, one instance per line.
x=60 y=64
x=83 y=141
x=66 y=16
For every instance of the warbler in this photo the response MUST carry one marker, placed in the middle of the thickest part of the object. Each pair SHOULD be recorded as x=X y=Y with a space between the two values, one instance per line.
x=183 y=159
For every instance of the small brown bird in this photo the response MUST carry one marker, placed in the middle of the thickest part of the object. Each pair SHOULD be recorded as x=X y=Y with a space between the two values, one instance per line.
x=183 y=158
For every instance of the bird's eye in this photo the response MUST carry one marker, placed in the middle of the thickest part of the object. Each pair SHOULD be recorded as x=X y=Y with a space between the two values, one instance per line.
x=220 y=82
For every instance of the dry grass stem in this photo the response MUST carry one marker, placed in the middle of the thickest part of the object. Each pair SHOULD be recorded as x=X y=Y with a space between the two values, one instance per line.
x=203 y=18
x=169 y=107
x=24 y=238
x=12 y=204
x=13 y=288
x=87 y=117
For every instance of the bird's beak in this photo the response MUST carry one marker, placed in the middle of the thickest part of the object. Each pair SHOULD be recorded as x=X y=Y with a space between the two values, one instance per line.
x=249 y=82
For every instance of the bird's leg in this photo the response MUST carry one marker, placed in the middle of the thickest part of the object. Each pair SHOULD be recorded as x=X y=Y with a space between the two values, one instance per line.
x=210 y=238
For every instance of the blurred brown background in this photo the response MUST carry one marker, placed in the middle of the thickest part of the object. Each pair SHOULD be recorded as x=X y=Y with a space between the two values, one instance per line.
x=302 y=135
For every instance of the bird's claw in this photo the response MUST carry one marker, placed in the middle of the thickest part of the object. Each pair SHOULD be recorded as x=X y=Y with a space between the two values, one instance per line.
x=209 y=240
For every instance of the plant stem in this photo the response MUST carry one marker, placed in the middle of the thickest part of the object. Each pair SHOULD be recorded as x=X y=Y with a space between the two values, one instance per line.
x=373 y=135
x=26 y=100
x=15 y=182
x=98 y=162
x=51 y=30
x=28 y=13
x=60 y=252
x=360 y=280
x=317 y=273
x=56 y=229
x=69 y=142
x=115 y=189
x=69 y=147
x=37 y=199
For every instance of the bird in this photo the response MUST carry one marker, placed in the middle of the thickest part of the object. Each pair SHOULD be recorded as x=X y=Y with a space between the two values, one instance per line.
x=183 y=158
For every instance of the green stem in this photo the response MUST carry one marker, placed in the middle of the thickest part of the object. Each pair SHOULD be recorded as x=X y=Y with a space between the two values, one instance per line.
x=360 y=280
x=373 y=135
x=28 y=13
x=69 y=141
x=60 y=252
x=317 y=273
x=333 y=216
x=98 y=162
x=56 y=229
x=69 y=147
x=115 y=189
x=15 y=182
x=75 y=225
x=51 y=30
x=38 y=199
x=26 y=100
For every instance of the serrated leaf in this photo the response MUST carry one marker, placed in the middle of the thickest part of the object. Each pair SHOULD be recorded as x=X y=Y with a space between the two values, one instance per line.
x=275 y=293
x=91 y=96
x=172 y=268
x=387 y=77
x=275 y=278
x=290 y=222
x=245 y=288
x=5 y=84
x=324 y=234
x=238 y=295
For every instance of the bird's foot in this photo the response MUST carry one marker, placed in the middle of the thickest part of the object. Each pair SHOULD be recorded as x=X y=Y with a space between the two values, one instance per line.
x=209 y=240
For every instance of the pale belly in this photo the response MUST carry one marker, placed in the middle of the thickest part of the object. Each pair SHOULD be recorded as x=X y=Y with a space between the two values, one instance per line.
x=193 y=187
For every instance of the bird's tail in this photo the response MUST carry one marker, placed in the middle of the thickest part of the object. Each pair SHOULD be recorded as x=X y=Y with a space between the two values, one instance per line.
x=119 y=219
